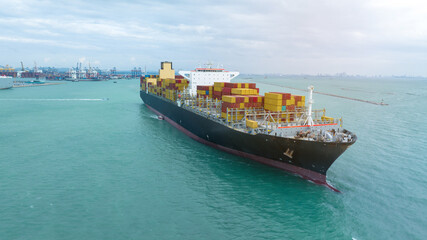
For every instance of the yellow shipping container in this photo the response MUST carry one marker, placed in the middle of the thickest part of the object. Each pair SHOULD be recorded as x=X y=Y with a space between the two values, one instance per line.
x=276 y=108
x=237 y=91
x=251 y=124
x=273 y=108
x=229 y=99
x=244 y=91
x=231 y=117
x=300 y=104
x=290 y=102
x=275 y=102
x=151 y=80
x=218 y=89
x=251 y=91
x=219 y=84
x=242 y=105
x=273 y=96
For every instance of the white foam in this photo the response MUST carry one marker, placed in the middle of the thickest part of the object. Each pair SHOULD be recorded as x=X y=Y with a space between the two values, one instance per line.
x=155 y=116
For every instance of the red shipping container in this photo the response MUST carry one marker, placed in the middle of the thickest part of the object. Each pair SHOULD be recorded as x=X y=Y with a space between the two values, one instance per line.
x=240 y=99
x=253 y=99
x=226 y=91
x=285 y=96
x=290 y=107
x=223 y=109
x=297 y=98
x=231 y=105
x=252 y=85
x=231 y=85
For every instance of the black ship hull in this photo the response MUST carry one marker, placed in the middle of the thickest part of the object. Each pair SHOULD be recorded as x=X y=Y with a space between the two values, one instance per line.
x=307 y=159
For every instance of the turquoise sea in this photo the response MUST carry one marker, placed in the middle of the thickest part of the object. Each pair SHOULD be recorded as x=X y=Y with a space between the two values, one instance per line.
x=87 y=160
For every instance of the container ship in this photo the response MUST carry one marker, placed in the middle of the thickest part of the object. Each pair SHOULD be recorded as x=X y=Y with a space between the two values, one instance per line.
x=276 y=129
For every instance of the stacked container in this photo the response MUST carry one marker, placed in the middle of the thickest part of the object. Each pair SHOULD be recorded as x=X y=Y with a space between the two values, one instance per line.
x=175 y=84
x=276 y=102
x=151 y=82
x=163 y=87
x=223 y=88
x=205 y=91
x=234 y=103
x=243 y=91
x=299 y=100
x=217 y=91
x=237 y=104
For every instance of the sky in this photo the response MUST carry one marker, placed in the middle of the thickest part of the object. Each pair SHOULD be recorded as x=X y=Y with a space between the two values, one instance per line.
x=384 y=37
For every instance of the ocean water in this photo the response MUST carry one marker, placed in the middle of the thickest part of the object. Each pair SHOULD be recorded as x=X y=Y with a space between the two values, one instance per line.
x=87 y=160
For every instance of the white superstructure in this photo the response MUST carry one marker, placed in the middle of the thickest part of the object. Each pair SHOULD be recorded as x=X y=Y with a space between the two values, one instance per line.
x=6 y=82
x=206 y=76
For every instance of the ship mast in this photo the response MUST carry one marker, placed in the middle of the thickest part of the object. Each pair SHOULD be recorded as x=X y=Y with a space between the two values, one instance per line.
x=309 y=120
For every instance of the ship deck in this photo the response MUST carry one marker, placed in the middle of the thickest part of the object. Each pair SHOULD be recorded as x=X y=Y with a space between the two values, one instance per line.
x=324 y=129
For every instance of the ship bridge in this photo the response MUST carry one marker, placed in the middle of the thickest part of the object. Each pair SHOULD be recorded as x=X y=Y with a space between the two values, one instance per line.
x=207 y=76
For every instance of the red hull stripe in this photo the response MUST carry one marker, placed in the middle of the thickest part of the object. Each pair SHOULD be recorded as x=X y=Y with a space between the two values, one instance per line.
x=304 y=173
x=315 y=125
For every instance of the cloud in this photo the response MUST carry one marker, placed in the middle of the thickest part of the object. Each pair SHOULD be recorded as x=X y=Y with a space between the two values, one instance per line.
x=46 y=42
x=367 y=37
